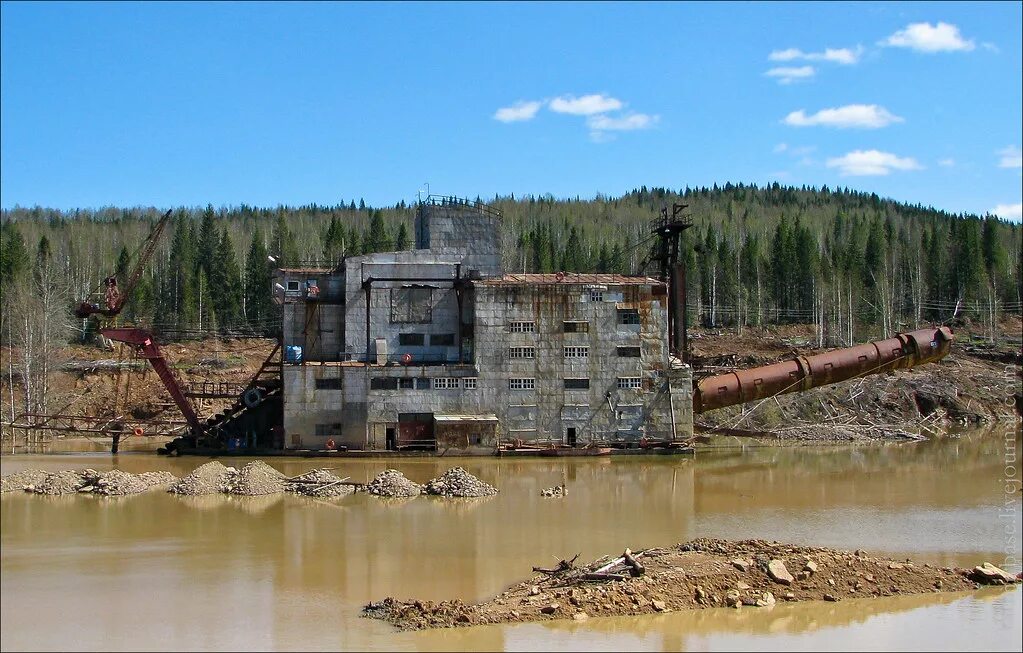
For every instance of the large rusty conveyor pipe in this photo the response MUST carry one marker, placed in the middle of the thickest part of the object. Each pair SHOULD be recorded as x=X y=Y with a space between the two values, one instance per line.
x=904 y=350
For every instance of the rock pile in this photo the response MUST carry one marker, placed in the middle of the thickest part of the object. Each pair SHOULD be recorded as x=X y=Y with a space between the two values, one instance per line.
x=392 y=483
x=66 y=481
x=117 y=483
x=256 y=478
x=457 y=482
x=18 y=480
x=319 y=483
x=209 y=478
x=555 y=492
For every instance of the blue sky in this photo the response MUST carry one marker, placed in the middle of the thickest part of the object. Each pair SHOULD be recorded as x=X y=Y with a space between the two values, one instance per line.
x=179 y=103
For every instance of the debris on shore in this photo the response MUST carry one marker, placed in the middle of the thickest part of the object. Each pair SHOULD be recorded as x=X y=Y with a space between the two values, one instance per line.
x=255 y=479
x=319 y=483
x=556 y=492
x=208 y=478
x=392 y=483
x=19 y=480
x=703 y=573
x=458 y=482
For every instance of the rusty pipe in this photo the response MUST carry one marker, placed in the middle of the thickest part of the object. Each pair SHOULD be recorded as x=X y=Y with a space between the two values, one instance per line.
x=902 y=351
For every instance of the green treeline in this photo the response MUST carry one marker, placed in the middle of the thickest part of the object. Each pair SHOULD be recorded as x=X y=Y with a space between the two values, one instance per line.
x=851 y=262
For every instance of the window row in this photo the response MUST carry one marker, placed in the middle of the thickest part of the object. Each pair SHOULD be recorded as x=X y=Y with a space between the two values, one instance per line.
x=624 y=383
x=438 y=383
x=624 y=316
x=575 y=351
x=419 y=339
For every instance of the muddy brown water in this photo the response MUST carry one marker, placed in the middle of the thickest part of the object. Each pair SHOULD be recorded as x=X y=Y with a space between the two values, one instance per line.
x=162 y=572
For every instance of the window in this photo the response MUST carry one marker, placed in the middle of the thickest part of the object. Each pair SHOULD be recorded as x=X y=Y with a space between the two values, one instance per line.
x=577 y=384
x=293 y=286
x=596 y=295
x=521 y=384
x=406 y=384
x=629 y=383
x=445 y=383
x=422 y=383
x=522 y=352
x=577 y=352
x=327 y=430
x=469 y=383
x=577 y=327
x=412 y=305
x=523 y=327
x=383 y=383
x=442 y=340
x=332 y=383
x=628 y=352
x=411 y=339
x=628 y=316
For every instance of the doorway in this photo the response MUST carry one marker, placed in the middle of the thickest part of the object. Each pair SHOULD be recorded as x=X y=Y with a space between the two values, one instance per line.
x=391 y=439
x=571 y=437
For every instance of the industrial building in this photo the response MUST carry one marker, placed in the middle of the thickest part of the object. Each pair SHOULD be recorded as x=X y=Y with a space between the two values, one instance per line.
x=439 y=349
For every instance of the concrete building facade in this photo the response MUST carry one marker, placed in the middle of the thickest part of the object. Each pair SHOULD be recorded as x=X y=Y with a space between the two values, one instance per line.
x=437 y=349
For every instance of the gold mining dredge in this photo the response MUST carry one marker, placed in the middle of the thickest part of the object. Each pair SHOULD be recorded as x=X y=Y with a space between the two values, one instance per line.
x=440 y=350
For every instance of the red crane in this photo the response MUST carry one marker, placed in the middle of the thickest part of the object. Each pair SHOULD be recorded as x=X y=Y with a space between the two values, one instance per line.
x=142 y=340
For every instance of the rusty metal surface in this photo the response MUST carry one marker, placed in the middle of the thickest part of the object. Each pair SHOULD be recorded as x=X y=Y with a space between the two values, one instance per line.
x=569 y=278
x=902 y=351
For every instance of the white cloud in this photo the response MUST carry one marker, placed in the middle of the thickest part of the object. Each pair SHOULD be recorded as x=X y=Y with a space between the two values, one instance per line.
x=624 y=123
x=788 y=74
x=871 y=162
x=947 y=163
x=1009 y=211
x=586 y=105
x=862 y=116
x=780 y=147
x=844 y=56
x=1012 y=157
x=924 y=37
x=517 y=112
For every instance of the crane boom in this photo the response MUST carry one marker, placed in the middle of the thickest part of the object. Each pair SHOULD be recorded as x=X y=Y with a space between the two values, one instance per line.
x=116 y=297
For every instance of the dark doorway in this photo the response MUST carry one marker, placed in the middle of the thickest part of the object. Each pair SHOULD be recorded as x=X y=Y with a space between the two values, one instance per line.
x=571 y=436
x=391 y=438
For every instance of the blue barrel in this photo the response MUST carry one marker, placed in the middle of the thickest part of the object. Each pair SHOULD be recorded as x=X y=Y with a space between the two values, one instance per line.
x=293 y=354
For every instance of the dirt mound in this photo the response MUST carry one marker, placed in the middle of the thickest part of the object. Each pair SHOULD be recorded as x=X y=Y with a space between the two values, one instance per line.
x=208 y=478
x=457 y=482
x=319 y=483
x=254 y=479
x=18 y=480
x=704 y=573
x=120 y=483
x=66 y=481
x=392 y=483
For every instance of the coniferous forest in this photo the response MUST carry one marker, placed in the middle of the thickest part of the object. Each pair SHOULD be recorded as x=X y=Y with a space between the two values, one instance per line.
x=853 y=263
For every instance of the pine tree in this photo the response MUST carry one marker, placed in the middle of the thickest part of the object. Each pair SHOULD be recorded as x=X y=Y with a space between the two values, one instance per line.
x=258 y=277
x=13 y=256
x=206 y=247
x=282 y=242
x=573 y=258
x=376 y=239
x=226 y=289
x=334 y=242
x=402 y=241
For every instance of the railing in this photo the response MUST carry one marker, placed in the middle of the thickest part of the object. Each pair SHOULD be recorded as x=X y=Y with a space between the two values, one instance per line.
x=389 y=359
x=461 y=202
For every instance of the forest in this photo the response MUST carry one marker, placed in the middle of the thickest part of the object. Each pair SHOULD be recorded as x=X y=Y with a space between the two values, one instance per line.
x=853 y=263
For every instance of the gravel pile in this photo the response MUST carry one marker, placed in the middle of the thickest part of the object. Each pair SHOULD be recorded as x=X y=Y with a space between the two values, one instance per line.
x=457 y=482
x=66 y=481
x=556 y=492
x=209 y=478
x=18 y=480
x=319 y=483
x=255 y=478
x=392 y=483
x=117 y=483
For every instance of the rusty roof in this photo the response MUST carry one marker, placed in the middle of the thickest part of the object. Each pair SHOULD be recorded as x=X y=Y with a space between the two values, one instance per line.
x=573 y=278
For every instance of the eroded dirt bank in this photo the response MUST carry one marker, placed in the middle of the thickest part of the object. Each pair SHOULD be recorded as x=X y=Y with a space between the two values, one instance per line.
x=703 y=573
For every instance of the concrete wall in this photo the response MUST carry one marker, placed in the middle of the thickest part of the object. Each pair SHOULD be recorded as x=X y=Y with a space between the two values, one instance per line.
x=464 y=228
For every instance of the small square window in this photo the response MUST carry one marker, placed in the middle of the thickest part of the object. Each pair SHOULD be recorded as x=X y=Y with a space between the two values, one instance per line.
x=523 y=327
x=629 y=383
x=577 y=384
x=522 y=352
x=577 y=352
x=596 y=295
x=411 y=339
x=628 y=316
x=521 y=384
x=576 y=326
x=406 y=384
x=293 y=286
x=469 y=383
x=628 y=352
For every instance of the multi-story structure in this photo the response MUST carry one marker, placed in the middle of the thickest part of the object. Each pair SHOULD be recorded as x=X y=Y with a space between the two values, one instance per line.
x=438 y=349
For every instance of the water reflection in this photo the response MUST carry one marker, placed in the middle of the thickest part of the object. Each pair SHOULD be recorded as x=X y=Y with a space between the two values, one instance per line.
x=291 y=572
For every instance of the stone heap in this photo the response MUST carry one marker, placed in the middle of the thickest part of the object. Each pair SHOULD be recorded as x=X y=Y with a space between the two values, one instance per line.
x=457 y=482
x=392 y=483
